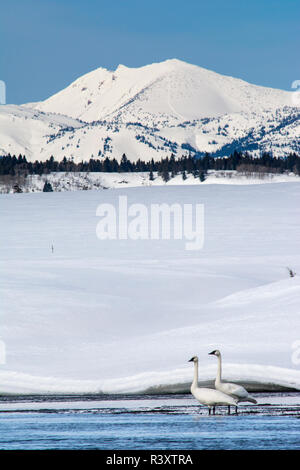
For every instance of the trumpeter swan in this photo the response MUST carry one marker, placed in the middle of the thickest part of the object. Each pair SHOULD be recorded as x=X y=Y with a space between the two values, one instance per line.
x=234 y=390
x=209 y=396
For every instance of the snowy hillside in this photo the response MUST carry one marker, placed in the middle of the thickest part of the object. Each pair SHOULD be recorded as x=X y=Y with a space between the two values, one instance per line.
x=152 y=112
x=28 y=131
x=126 y=315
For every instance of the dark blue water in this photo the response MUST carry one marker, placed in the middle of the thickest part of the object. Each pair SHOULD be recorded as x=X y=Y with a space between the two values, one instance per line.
x=86 y=430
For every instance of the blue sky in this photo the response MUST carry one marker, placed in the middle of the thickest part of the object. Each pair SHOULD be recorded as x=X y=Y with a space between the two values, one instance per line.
x=46 y=44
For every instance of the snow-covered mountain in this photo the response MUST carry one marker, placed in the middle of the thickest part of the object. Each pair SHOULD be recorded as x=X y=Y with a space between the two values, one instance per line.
x=172 y=89
x=152 y=112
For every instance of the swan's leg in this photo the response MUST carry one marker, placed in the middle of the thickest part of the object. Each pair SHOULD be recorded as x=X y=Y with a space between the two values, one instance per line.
x=209 y=410
x=236 y=410
x=214 y=410
x=229 y=409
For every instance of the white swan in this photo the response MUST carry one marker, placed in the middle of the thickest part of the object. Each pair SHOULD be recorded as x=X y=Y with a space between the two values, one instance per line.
x=234 y=390
x=209 y=396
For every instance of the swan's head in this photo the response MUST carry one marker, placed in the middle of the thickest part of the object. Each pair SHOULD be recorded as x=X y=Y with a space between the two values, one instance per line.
x=193 y=359
x=216 y=352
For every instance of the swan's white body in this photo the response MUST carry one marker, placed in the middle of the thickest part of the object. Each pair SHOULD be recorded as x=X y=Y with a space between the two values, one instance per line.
x=234 y=390
x=209 y=396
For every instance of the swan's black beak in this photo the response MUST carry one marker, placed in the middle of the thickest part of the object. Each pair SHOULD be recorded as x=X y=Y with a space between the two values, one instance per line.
x=212 y=353
x=191 y=360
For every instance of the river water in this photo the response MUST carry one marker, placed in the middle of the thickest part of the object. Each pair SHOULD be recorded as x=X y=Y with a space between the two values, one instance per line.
x=147 y=422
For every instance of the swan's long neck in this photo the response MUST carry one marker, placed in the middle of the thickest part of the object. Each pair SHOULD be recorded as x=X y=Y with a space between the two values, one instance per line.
x=195 y=381
x=219 y=371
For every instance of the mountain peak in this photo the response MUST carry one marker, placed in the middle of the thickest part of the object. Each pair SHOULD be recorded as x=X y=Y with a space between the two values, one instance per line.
x=121 y=67
x=169 y=88
x=174 y=62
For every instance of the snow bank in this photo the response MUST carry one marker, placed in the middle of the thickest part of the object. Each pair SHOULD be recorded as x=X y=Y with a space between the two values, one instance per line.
x=176 y=381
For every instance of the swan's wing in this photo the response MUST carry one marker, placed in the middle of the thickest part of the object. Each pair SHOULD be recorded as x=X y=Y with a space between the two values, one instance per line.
x=210 y=396
x=224 y=398
x=234 y=389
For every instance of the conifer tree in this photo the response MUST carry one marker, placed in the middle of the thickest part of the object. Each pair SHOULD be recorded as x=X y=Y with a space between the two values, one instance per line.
x=47 y=187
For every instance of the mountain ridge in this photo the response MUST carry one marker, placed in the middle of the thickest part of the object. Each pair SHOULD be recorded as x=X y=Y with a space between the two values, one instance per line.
x=153 y=111
x=169 y=84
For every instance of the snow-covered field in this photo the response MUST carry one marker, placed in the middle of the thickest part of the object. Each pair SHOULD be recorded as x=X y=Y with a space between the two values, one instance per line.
x=74 y=181
x=124 y=316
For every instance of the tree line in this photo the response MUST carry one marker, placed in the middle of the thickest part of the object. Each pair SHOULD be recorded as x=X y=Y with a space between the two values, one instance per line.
x=167 y=167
